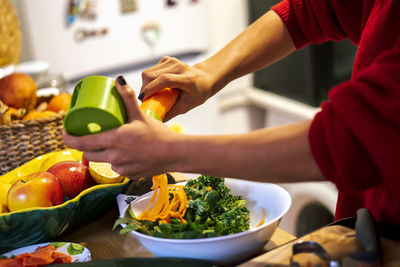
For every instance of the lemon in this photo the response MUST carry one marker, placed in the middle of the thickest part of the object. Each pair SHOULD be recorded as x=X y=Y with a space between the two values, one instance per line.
x=103 y=174
x=176 y=127
x=3 y=196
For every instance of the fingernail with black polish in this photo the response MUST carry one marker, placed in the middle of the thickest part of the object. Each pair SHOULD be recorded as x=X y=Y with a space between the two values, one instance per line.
x=141 y=96
x=121 y=80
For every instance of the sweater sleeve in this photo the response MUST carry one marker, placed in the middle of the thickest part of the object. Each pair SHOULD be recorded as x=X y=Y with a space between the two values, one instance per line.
x=318 y=21
x=355 y=138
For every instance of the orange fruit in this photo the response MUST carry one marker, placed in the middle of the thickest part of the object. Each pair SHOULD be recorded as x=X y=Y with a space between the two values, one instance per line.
x=18 y=90
x=59 y=102
x=34 y=114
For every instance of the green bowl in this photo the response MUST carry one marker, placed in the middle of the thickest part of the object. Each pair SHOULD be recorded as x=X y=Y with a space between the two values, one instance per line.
x=31 y=226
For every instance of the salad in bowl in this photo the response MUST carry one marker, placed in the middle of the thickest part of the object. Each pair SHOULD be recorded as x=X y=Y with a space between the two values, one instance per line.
x=226 y=220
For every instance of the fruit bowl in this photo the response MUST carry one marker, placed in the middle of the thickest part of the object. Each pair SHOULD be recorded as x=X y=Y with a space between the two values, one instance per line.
x=36 y=225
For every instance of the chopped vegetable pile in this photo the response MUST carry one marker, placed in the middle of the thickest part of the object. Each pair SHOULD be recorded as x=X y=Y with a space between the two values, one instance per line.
x=40 y=257
x=211 y=211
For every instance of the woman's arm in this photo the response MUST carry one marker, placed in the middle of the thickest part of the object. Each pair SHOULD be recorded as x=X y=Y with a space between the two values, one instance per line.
x=145 y=147
x=261 y=44
x=275 y=154
x=264 y=42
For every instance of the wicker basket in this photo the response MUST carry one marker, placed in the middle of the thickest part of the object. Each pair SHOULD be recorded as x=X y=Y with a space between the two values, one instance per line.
x=22 y=141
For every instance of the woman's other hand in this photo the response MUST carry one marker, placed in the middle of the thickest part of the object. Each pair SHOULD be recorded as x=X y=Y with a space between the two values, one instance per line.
x=195 y=84
x=137 y=149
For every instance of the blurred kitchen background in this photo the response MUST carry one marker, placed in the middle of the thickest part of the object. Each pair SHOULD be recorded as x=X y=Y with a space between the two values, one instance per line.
x=65 y=40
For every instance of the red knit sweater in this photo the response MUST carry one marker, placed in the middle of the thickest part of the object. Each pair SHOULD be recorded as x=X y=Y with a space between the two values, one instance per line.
x=355 y=139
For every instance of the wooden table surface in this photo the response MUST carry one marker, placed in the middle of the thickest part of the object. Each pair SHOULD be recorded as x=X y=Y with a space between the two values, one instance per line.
x=104 y=243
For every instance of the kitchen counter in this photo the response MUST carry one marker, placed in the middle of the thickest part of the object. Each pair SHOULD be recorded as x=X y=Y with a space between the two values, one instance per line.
x=104 y=243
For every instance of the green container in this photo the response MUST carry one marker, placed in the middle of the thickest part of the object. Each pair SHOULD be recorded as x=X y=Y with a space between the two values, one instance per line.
x=96 y=106
x=29 y=226
x=23 y=228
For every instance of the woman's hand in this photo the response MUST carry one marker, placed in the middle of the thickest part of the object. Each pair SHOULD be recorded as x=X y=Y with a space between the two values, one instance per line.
x=137 y=149
x=264 y=42
x=195 y=84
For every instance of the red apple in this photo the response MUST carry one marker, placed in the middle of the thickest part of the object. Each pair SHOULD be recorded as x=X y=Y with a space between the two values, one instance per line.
x=73 y=176
x=40 y=189
x=85 y=161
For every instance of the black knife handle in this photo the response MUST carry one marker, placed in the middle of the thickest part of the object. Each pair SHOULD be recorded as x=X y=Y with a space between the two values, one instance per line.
x=366 y=232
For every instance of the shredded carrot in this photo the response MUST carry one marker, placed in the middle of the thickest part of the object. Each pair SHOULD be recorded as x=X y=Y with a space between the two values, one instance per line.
x=262 y=219
x=160 y=206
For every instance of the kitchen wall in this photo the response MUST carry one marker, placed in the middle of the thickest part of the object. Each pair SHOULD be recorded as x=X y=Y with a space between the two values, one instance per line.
x=225 y=19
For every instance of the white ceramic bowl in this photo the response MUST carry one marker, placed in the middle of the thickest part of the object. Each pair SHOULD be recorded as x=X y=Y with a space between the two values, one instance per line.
x=231 y=248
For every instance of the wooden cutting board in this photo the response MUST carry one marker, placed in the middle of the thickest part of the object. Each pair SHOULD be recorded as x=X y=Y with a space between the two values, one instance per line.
x=339 y=241
x=327 y=237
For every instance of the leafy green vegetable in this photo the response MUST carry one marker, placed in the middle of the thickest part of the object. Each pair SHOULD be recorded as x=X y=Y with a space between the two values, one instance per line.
x=58 y=244
x=75 y=249
x=211 y=211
